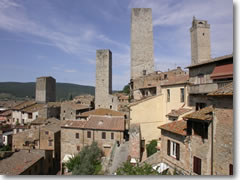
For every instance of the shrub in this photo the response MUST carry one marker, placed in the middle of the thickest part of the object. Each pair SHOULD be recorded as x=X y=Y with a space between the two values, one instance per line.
x=151 y=148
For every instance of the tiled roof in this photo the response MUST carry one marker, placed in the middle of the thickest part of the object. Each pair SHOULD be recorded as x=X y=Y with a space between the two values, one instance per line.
x=18 y=162
x=40 y=121
x=33 y=108
x=222 y=71
x=101 y=112
x=54 y=104
x=177 y=127
x=220 y=58
x=177 y=79
x=202 y=114
x=75 y=106
x=73 y=124
x=6 y=113
x=178 y=112
x=105 y=123
x=226 y=90
x=24 y=104
x=53 y=127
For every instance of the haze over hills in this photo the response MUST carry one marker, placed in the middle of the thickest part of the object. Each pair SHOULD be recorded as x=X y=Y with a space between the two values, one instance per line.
x=19 y=90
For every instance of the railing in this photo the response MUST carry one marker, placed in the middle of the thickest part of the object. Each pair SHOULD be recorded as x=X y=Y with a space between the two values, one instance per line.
x=203 y=88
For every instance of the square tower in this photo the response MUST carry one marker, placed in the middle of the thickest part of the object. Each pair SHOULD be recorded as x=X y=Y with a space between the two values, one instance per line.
x=45 y=89
x=200 y=41
x=142 y=62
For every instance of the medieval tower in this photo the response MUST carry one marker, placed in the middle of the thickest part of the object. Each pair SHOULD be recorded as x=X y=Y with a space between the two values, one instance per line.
x=200 y=41
x=45 y=90
x=103 y=90
x=142 y=62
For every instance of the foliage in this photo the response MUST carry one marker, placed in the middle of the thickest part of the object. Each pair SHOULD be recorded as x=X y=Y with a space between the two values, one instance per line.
x=16 y=90
x=6 y=148
x=87 y=162
x=70 y=97
x=126 y=89
x=151 y=148
x=128 y=169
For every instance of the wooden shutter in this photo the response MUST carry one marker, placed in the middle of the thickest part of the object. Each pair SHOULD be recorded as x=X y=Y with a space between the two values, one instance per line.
x=230 y=169
x=177 y=151
x=197 y=165
x=168 y=147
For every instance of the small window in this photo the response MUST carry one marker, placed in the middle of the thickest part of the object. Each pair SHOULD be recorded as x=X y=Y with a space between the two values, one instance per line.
x=78 y=148
x=89 y=134
x=30 y=115
x=103 y=135
x=182 y=95
x=168 y=95
x=77 y=135
x=230 y=169
x=165 y=76
x=112 y=135
x=46 y=132
x=144 y=72
x=110 y=106
x=203 y=34
x=173 y=149
x=64 y=111
x=197 y=163
x=50 y=142
x=63 y=118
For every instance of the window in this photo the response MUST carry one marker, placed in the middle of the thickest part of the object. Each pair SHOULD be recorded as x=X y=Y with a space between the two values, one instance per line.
x=112 y=135
x=110 y=106
x=197 y=165
x=165 y=76
x=201 y=78
x=230 y=169
x=201 y=129
x=50 y=142
x=46 y=132
x=64 y=111
x=144 y=72
x=173 y=149
x=89 y=134
x=182 y=95
x=168 y=95
x=103 y=135
x=77 y=135
x=200 y=106
x=30 y=115
x=78 y=148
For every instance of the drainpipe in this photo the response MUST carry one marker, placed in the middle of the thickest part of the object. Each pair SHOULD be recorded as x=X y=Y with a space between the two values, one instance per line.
x=212 y=143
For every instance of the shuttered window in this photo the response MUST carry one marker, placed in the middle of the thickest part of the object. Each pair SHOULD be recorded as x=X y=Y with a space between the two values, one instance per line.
x=103 y=135
x=173 y=149
x=168 y=147
x=197 y=163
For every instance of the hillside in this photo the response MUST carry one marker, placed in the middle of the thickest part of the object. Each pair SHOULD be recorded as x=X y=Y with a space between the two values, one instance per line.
x=16 y=90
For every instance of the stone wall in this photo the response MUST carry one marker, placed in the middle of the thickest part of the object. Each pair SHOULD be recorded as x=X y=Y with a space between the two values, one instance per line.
x=141 y=42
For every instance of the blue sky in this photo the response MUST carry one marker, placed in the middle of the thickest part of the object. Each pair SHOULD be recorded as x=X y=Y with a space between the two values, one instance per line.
x=60 y=37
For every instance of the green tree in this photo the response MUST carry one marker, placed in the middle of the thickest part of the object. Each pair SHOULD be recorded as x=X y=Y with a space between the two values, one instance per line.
x=6 y=148
x=128 y=169
x=71 y=97
x=151 y=148
x=87 y=162
x=126 y=89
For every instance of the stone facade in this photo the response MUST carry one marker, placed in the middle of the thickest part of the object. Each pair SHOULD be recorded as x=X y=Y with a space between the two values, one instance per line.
x=200 y=41
x=142 y=60
x=103 y=90
x=45 y=89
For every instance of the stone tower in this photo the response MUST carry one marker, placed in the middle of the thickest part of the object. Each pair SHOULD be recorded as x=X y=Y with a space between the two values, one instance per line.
x=142 y=62
x=45 y=90
x=103 y=90
x=200 y=41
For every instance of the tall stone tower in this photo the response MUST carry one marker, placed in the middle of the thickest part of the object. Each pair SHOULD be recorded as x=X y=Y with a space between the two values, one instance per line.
x=142 y=62
x=45 y=90
x=103 y=90
x=200 y=41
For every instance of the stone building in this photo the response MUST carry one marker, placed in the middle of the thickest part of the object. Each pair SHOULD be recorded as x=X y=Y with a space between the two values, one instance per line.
x=103 y=90
x=27 y=162
x=86 y=99
x=45 y=89
x=200 y=41
x=135 y=148
x=45 y=136
x=142 y=60
x=71 y=110
x=105 y=130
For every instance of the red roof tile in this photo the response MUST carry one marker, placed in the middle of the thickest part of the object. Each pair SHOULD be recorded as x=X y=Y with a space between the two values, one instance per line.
x=178 y=112
x=177 y=127
x=222 y=71
x=73 y=124
x=202 y=114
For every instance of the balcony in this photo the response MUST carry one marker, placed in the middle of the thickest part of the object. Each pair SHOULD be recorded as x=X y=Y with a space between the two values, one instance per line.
x=203 y=88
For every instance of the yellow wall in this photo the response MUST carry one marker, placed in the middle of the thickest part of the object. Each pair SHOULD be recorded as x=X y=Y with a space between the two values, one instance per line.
x=151 y=113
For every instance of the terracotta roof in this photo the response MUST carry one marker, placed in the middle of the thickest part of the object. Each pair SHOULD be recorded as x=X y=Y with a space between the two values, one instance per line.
x=224 y=91
x=24 y=104
x=40 y=121
x=73 y=124
x=220 y=58
x=222 y=71
x=178 y=112
x=202 y=114
x=101 y=112
x=105 y=123
x=53 y=127
x=75 y=106
x=33 y=108
x=177 y=79
x=6 y=113
x=177 y=127
x=19 y=162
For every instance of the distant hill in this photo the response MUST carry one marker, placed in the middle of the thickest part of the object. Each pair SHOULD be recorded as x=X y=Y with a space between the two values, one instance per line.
x=17 y=90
